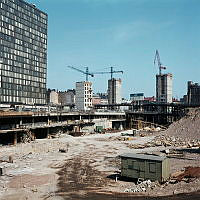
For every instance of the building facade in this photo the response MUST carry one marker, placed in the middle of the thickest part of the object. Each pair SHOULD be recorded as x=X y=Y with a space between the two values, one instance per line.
x=114 y=91
x=193 y=93
x=67 y=97
x=137 y=97
x=83 y=95
x=70 y=97
x=100 y=98
x=52 y=97
x=164 y=88
x=23 y=53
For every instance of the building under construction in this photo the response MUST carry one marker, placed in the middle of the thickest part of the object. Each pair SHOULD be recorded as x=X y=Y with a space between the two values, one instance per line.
x=114 y=91
x=163 y=83
x=193 y=93
x=164 y=88
x=83 y=95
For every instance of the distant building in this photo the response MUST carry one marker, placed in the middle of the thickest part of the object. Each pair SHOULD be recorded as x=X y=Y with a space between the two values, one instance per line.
x=137 y=97
x=70 y=97
x=164 y=88
x=96 y=99
x=103 y=95
x=149 y=99
x=193 y=93
x=100 y=98
x=52 y=97
x=114 y=91
x=66 y=97
x=62 y=97
x=83 y=100
x=184 y=99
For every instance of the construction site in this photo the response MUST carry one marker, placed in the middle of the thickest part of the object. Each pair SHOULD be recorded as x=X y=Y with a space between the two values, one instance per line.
x=86 y=157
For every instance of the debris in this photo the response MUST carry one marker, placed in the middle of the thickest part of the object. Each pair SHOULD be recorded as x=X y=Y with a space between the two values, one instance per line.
x=186 y=127
x=2 y=170
x=34 y=190
x=190 y=172
x=126 y=134
x=167 y=151
x=62 y=150
x=10 y=159
x=142 y=186
x=167 y=141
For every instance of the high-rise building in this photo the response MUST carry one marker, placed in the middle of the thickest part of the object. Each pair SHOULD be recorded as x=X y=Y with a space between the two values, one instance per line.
x=164 y=88
x=114 y=91
x=83 y=99
x=23 y=53
x=193 y=93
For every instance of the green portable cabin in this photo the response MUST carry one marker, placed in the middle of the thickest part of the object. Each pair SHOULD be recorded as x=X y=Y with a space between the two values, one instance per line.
x=147 y=167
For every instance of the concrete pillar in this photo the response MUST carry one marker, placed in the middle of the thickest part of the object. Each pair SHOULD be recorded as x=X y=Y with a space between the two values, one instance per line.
x=33 y=121
x=48 y=132
x=33 y=135
x=77 y=128
x=15 y=138
x=48 y=122
x=21 y=122
x=121 y=126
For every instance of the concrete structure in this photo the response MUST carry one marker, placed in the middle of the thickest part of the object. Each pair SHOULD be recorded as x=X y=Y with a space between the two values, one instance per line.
x=23 y=53
x=193 y=93
x=114 y=91
x=164 y=88
x=137 y=97
x=52 y=97
x=147 y=167
x=83 y=95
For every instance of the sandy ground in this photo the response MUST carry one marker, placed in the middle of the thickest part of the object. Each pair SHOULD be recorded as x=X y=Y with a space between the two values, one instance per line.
x=40 y=171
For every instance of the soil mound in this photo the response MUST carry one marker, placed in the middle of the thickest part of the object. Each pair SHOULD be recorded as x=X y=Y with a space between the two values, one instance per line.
x=187 y=127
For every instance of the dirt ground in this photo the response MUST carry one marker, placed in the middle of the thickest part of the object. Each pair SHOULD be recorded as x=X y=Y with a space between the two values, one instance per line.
x=85 y=171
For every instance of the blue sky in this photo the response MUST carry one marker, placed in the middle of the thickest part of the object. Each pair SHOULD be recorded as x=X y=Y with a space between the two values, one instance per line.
x=123 y=34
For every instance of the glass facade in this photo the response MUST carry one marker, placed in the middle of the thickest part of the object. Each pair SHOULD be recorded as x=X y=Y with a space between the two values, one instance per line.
x=23 y=53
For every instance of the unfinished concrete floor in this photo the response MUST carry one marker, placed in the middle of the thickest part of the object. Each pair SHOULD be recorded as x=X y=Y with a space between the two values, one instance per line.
x=40 y=171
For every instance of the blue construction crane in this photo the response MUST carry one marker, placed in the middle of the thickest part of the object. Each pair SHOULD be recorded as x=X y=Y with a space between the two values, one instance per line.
x=87 y=73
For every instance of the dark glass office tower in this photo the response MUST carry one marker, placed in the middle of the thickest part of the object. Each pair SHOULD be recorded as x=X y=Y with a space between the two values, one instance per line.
x=23 y=53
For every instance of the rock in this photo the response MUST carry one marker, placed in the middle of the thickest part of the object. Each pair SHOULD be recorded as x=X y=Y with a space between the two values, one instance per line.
x=34 y=190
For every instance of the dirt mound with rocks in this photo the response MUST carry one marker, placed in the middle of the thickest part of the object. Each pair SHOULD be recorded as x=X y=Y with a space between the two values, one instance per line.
x=187 y=127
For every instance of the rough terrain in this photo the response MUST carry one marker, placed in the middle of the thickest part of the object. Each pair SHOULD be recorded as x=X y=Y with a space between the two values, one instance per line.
x=85 y=169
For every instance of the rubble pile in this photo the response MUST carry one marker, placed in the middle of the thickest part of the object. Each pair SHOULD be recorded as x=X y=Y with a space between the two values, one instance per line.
x=186 y=127
x=142 y=186
x=167 y=141
x=188 y=173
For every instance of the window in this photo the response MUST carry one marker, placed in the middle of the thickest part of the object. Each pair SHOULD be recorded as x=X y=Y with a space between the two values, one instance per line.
x=152 y=167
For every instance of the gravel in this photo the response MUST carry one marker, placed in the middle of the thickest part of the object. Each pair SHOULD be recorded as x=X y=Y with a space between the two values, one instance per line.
x=187 y=128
